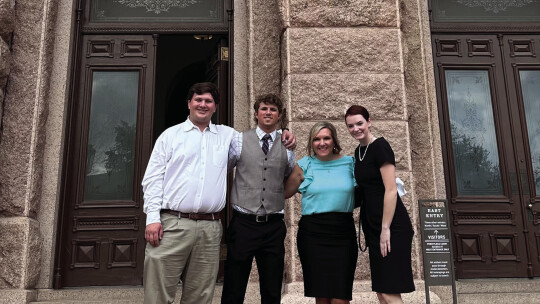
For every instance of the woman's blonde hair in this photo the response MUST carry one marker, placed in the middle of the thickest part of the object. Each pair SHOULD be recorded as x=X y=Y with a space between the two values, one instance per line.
x=316 y=129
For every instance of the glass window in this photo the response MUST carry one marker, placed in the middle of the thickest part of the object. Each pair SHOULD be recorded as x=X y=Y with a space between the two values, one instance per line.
x=530 y=86
x=476 y=157
x=210 y=11
x=111 y=137
x=486 y=11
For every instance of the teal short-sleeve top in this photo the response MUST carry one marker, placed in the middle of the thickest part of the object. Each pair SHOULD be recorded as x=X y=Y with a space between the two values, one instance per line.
x=328 y=186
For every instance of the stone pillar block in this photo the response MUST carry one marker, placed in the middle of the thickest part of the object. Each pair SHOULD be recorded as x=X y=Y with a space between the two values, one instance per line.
x=340 y=13
x=328 y=96
x=265 y=36
x=342 y=51
x=19 y=252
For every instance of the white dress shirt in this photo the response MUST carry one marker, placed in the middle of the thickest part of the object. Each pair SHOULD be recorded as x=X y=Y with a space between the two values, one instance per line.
x=187 y=170
x=236 y=149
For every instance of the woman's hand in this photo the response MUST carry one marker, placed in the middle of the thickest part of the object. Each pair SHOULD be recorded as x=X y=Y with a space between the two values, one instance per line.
x=385 y=242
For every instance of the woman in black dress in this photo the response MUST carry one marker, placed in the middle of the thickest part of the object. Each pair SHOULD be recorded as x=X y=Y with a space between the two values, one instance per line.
x=386 y=224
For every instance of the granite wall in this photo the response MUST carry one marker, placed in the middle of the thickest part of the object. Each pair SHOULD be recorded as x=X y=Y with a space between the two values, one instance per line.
x=25 y=65
x=375 y=53
x=321 y=56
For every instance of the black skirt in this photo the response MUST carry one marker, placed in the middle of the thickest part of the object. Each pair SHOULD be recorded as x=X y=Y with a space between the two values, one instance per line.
x=328 y=252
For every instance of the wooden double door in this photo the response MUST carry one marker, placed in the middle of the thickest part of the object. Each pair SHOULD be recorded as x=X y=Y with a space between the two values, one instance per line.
x=488 y=88
x=128 y=89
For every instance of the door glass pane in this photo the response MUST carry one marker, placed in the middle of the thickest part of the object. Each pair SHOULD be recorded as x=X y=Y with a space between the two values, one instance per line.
x=157 y=11
x=474 y=143
x=111 y=138
x=530 y=85
x=486 y=11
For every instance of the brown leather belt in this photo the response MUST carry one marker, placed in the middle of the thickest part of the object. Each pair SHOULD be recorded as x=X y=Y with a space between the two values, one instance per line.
x=194 y=216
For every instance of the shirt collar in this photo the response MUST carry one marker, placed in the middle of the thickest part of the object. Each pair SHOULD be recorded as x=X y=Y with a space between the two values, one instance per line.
x=261 y=133
x=190 y=126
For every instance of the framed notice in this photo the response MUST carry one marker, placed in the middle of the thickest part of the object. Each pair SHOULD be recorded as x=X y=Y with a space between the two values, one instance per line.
x=436 y=245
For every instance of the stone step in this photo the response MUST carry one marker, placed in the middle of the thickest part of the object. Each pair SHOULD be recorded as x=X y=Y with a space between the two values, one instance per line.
x=499 y=291
x=366 y=298
x=500 y=298
x=498 y=286
x=293 y=293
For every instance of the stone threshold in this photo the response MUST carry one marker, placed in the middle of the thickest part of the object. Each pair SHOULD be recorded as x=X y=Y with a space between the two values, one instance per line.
x=499 y=291
x=472 y=291
x=293 y=293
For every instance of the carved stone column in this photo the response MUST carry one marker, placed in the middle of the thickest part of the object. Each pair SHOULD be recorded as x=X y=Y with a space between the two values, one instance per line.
x=25 y=52
x=339 y=53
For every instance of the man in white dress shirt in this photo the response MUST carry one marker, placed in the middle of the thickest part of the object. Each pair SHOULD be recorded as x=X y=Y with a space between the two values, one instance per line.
x=257 y=229
x=184 y=191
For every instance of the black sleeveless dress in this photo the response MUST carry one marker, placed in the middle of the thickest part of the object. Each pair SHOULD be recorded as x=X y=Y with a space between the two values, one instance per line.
x=393 y=273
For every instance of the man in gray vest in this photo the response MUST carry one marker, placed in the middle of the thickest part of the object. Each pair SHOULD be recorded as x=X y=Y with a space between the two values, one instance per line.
x=257 y=229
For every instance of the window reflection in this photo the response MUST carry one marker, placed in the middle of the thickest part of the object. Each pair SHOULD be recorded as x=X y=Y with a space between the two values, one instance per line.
x=111 y=139
x=530 y=85
x=472 y=126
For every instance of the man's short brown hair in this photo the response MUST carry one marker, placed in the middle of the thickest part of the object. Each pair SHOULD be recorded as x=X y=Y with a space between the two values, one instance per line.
x=204 y=87
x=272 y=99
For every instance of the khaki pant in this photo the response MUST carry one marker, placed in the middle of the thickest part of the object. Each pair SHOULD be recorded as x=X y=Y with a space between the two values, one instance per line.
x=189 y=248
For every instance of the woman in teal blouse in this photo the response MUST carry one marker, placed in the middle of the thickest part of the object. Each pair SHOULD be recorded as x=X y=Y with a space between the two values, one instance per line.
x=326 y=237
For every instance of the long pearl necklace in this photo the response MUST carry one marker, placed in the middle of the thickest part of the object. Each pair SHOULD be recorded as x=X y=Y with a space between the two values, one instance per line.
x=361 y=157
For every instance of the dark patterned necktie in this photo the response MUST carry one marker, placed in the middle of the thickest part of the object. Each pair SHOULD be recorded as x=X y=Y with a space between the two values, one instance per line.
x=265 y=143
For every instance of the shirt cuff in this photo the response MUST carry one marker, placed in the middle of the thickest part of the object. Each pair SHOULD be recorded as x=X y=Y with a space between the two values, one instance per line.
x=153 y=217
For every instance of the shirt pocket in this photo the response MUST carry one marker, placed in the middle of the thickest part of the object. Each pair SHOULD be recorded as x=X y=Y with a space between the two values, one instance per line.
x=219 y=156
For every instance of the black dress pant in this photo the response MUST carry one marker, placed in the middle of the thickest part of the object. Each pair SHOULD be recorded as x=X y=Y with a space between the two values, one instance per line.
x=248 y=239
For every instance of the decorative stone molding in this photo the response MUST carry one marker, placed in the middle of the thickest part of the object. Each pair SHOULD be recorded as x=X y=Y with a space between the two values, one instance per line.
x=7 y=13
x=7 y=18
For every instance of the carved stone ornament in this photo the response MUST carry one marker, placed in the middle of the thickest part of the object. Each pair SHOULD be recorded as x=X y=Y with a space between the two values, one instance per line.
x=495 y=6
x=157 y=6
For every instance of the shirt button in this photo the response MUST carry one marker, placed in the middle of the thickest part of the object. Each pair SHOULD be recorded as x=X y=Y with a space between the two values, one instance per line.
x=264 y=189
x=266 y=159
x=264 y=168
x=264 y=179
x=263 y=199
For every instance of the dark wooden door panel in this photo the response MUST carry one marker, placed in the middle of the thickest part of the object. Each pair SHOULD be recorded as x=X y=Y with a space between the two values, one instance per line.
x=103 y=240
x=488 y=159
x=523 y=68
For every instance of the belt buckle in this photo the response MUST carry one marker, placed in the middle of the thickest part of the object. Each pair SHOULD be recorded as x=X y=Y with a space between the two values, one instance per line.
x=265 y=217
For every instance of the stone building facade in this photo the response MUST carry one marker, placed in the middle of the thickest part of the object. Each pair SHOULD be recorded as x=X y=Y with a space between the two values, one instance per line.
x=321 y=56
